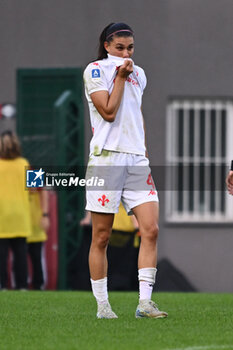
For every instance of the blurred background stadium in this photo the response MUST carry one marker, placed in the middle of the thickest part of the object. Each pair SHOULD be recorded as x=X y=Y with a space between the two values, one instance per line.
x=185 y=47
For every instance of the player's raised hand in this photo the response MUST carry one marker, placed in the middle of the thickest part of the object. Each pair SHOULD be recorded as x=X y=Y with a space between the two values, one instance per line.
x=126 y=69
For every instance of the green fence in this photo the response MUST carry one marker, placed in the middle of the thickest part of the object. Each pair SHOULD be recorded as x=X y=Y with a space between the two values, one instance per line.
x=70 y=202
x=50 y=124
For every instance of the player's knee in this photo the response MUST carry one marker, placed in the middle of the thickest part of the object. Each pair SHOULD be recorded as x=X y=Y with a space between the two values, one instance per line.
x=103 y=241
x=102 y=238
x=150 y=232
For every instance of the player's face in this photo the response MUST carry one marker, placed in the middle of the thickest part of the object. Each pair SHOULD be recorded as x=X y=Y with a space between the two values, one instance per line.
x=120 y=46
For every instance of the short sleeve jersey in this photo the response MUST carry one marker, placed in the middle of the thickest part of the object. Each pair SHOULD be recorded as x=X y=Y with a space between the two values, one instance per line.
x=126 y=133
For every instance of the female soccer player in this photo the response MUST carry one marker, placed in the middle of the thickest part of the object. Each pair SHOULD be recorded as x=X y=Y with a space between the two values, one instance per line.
x=114 y=87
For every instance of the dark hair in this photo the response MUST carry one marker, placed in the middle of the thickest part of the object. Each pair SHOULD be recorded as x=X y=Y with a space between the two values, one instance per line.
x=113 y=29
x=9 y=145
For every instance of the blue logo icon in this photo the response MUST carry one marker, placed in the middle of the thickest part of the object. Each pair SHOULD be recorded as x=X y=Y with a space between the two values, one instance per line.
x=35 y=178
x=95 y=73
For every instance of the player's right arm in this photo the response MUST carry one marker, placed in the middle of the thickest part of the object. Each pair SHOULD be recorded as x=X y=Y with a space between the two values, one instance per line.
x=108 y=105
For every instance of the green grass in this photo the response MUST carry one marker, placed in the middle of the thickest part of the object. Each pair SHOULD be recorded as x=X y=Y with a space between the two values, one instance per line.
x=66 y=320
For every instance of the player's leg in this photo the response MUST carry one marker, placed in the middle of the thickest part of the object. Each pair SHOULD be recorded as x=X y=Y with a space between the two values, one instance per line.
x=101 y=231
x=147 y=215
x=103 y=203
x=140 y=197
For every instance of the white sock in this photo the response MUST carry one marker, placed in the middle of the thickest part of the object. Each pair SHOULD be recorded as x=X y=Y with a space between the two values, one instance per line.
x=146 y=278
x=145 y=290
x=100 y=290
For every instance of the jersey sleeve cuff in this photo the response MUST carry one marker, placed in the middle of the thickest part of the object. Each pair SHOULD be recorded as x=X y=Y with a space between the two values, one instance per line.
x=97 y=89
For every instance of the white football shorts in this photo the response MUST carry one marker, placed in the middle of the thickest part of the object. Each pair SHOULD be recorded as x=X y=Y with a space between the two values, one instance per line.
x=118 y=177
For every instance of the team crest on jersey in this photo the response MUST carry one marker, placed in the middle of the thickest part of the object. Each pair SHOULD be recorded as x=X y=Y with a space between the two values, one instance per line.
x=95 y=73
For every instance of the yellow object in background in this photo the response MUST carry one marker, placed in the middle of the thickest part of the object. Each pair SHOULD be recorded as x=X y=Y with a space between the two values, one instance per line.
x=122 y=221
x=123 y=228
x=14 y=199
x=37 y=233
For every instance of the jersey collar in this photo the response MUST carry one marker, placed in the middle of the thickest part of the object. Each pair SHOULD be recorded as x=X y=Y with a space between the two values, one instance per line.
x=117 y=60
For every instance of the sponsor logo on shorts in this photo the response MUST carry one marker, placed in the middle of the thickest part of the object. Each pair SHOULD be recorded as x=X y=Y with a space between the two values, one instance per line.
x=152 y=193
x=103 y=200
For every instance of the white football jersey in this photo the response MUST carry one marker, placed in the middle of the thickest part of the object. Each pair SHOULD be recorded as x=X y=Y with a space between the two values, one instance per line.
x=126 y=133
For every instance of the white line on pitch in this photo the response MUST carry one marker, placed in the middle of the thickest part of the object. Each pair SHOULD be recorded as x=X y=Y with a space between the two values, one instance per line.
x=207 y=347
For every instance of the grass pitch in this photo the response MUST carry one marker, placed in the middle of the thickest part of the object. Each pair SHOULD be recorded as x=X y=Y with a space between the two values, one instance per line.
x=66 y=321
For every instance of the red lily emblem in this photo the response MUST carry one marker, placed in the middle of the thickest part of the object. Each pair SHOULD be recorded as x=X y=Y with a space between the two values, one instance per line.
x=103 y=199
